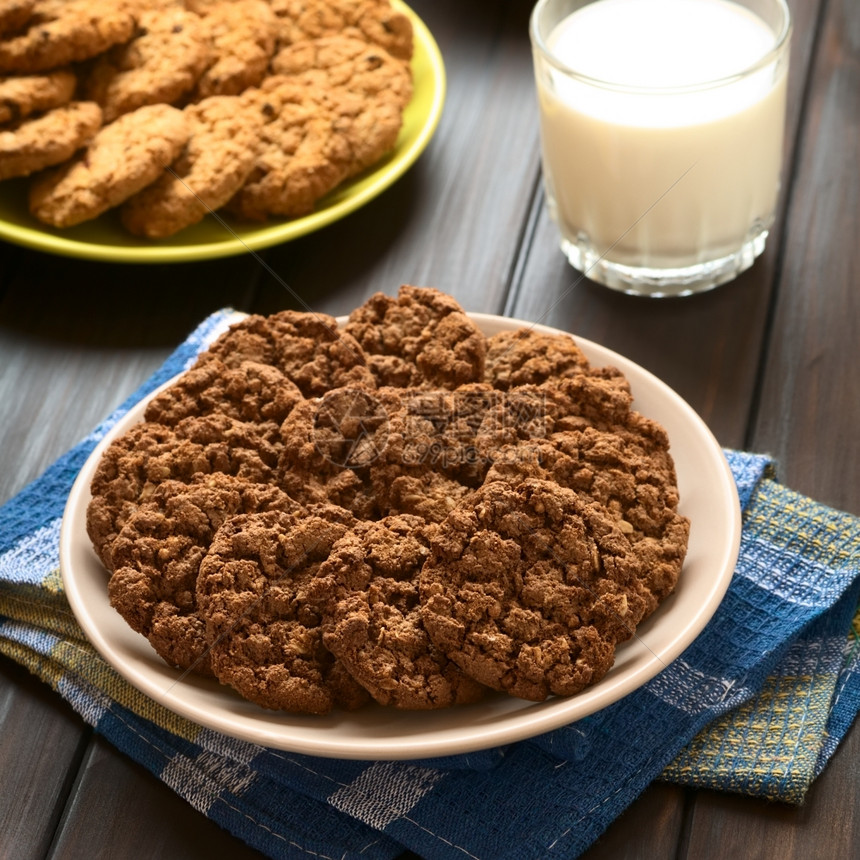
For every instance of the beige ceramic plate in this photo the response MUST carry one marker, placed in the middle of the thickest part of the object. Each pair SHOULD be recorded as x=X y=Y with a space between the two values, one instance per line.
x=708 y=498
x=105 y=239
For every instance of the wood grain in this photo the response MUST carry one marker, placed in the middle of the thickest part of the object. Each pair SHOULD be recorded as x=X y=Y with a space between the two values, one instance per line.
x=41 y=745
x=808 y=416
x=115 y=804
x=826 y=826
x=809 y=410
x=650 y=828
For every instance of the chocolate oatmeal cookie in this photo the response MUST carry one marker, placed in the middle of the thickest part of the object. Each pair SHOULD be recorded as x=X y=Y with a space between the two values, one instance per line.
x=160 y=64
x=213 y=166
x=528 y=357
x=367 y=593
x=584 y=400
x=419 y=491
x=121 y=159
x=23 y=95
x=394 y=510
x=265 y=638
x=148 y=454
x=59 y=33
x=249 y=391
x=522 y=414
x=421 y=338
x=528 y=589
x=157 y=556
x=328 y=445
x=429 y=461
x=47 y=140
x=308 y=348
x=630 y=474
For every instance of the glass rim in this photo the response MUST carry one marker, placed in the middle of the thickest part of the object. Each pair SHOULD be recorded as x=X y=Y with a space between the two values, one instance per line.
x=781 y=40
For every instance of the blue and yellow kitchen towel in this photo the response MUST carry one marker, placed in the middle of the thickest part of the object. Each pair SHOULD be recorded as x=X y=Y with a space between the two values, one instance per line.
x=757 y=704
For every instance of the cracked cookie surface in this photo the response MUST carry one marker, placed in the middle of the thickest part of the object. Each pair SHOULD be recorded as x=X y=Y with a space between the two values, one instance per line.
x=59 y=33
x=372 y=20
x=123 y=158
x=44 y=141
x=308 y=348
x=421 y=337
x=160 y=64
x=241 y=35
x=367 y=591
x=528 y=357
x=528 y=589
x=212 y=167
x=148 y=454
x=157 y=557
x=314 y=139
x=248 y=391
x=22 y=95
x=266 y=637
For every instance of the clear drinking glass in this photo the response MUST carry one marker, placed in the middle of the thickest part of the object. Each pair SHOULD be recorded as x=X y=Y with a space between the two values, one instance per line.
x=662 y=126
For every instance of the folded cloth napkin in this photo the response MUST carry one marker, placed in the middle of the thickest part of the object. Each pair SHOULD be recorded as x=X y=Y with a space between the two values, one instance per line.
x=757 y=704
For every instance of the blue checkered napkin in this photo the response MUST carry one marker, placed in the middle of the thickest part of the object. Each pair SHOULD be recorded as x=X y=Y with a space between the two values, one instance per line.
x=756 y=704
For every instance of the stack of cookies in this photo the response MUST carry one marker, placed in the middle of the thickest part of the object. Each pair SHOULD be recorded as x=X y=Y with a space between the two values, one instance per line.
x=169 y=110
x=399 y=510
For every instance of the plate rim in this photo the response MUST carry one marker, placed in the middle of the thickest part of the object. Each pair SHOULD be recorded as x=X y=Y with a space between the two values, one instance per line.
x=349 y=196
x=528 y=719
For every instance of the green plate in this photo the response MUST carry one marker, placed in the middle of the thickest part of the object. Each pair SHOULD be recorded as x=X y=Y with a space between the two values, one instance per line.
x=217 y=236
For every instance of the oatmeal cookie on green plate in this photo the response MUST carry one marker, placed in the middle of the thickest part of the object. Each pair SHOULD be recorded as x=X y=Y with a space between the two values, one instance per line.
x=61 y=32
x=123 y=158
x=162 y=63
x=213 y=166
x=22 y=95
x=43 y=141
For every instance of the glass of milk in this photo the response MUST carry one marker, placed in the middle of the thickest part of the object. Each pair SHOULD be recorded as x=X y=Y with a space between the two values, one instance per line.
x=662 y=125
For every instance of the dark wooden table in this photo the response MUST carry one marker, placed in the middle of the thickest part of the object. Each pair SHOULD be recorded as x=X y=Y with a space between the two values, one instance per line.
x=769 y=361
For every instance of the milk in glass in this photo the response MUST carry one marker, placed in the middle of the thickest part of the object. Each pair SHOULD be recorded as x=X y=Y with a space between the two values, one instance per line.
x=662 y=130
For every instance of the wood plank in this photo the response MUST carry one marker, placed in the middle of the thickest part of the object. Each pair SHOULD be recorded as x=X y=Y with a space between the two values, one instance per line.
x=120 y=810
x=812 y=372
x=810 y=399
x=650 y=828
x=41 y=745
